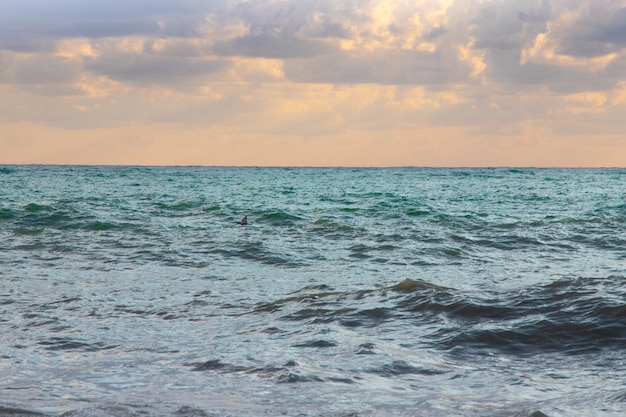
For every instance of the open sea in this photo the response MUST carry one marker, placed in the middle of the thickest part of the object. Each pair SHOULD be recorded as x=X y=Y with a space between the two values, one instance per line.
x=133 y=292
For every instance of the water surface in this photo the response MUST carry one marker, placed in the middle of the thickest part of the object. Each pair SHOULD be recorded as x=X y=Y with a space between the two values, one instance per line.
x=131 y=291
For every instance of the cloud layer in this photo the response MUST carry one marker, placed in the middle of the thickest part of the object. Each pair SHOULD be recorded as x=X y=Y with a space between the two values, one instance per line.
x=319 y=69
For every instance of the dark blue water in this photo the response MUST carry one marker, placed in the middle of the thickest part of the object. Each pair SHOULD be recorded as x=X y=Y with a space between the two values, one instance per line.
x=129 y=291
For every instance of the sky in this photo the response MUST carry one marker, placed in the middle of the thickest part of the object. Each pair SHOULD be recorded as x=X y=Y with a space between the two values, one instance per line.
x=537 y=83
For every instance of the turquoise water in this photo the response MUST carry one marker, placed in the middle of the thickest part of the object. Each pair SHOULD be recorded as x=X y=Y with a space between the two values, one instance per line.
x=352 y=292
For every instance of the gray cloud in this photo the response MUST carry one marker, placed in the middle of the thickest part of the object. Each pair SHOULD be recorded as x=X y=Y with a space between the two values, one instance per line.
x=24 y=23
x=435 y=33
x=289 y=16
x=381 y=67
x=579 y=29
x=507 y=25
x=615 y=31
x=180 y=48
x=145 y=69
x=46 y=70
x=600 y=31
x=27 y=44
x=102 y=29
x=40 y=72
x=5 y=64
x=272 y=44
x=616 y=70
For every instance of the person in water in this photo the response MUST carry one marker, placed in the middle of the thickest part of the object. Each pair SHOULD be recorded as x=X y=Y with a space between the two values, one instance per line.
x=244 y=221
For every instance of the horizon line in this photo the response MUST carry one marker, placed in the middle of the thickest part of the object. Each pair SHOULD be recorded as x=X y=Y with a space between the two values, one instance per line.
x=312 y=166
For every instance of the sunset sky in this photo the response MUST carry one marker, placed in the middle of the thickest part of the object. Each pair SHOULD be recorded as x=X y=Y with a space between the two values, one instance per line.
x=313 y=82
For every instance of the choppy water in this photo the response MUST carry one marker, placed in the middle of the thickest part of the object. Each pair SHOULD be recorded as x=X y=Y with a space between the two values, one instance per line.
x=128 y=291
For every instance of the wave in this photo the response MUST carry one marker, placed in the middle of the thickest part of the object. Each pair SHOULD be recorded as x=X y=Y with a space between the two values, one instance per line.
x=257 y=252
x=572 y=316
x=277 y=218
x=418 y=212
x=400 y=367
x=35 y=218
x=181 y=206
x=334 y=229
x=6 y=214
x=568 y=316
x=16 y=412
x=290 y=372
x=63 y=343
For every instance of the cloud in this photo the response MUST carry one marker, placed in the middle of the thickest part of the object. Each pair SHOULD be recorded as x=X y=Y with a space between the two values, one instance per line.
x=272 y=44
x=390 y=67
x=145 y=69
x=557 y=45
x=45 y=70
x=592 y=30
x=564 y=45
x=425 y=42
x=34 y=25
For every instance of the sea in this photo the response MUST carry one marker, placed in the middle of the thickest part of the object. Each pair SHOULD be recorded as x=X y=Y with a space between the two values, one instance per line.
x=352 y=292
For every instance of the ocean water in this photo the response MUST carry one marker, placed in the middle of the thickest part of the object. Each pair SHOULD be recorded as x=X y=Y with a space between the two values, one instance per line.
x=132 y=291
